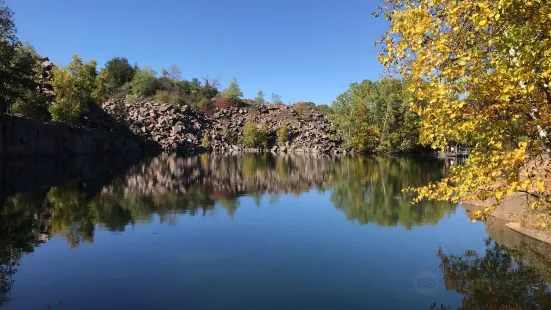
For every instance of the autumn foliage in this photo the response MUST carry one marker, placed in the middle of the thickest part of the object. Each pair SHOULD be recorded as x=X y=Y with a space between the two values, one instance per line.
x=480 y=74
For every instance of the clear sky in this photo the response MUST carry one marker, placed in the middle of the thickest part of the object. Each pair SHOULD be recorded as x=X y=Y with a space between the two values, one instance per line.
x=302 y=49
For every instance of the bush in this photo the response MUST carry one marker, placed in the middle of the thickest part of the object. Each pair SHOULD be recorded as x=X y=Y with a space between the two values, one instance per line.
x=283 y=133
x=262 y=136
x=74 y=86
x=144 y=83
x=205 y=141
x=249 y=135
x=254 y=137
x=162 y=96
x=32 y=105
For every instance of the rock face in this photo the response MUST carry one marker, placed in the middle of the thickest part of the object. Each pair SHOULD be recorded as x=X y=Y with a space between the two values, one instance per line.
x=44 y=85
x=181 y=130
x=167 y=127
x=121 y=126
x=309 y=132
x=21 y=137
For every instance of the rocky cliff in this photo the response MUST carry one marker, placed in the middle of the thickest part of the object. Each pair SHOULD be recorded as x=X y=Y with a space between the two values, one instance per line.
x=181 y=130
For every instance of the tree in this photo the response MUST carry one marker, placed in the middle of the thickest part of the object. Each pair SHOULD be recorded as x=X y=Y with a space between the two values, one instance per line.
x=25 y=99
x=276 y=99
x=19 y=67
x=250 y=133
x=144 y=82
x=173 y=73
x=480 y=73
x=116 y=73
x=501 y=278
x=74 y=85
x=233 y=92
x=375 y=116
x=283 y=133
x=259 y=100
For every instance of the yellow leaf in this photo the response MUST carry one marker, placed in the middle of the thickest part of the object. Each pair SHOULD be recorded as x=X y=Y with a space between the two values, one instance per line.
x=482 y=23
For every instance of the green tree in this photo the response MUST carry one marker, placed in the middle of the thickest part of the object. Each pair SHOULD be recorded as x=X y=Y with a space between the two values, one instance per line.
x=8 y=41
x=379 y=110
x=263 y=136
x=324 y=109
x=19 y=66
x=276 y=99
x=250 y=134
x=145 y=82
x=74 y=86
x=233 y=92
x=283 y=133
x=26 y=99
x=259 y=100
x=114 y=76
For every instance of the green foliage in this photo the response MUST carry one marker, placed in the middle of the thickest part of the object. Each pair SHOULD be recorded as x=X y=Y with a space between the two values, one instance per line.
x=255 y=137
x=162 y=96
x=263 y=136
x=233 y=92
x=276 y=99
x=283 y=133
x=32 y=104
x=74 y=86
x=367 y=138
x=250 y=133
x=117 y=72
x=205 y=141
x=375 y=116
x=144 y=83
x=19 y=67
x=324 y=109
x=259 y=100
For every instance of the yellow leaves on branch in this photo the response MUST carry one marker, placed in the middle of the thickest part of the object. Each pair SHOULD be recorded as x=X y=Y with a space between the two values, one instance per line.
x=480 y=73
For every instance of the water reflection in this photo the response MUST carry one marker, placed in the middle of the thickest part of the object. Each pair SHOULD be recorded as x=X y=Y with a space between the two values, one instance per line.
x=500 y=278
x=367 y=190
x=114 y=196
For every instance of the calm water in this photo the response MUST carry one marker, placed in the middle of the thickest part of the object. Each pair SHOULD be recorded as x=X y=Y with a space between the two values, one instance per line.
x=252 y=232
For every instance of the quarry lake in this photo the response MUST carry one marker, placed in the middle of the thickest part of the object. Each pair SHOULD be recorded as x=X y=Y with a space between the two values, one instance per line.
x=252 y=232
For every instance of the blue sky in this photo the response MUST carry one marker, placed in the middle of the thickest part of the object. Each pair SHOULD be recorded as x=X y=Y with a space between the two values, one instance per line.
x=302 y=49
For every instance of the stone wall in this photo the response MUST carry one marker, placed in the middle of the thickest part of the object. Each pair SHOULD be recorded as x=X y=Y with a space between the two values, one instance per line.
x=26 y=137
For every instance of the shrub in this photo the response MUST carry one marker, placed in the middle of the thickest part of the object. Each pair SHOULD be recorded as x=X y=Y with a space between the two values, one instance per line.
x=162 y=96
x=205 y=141
x=32 y=105
x=249 y=135
x=283 y=133
x=144 y=83
x=303 y=108
x=74 y=86
x=233 y=92
x=262 y=136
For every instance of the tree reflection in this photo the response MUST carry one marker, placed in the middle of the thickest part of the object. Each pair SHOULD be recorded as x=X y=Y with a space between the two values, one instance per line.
x=369 y=190
x=366 y=189
x=500 y=279
x=23 y=223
